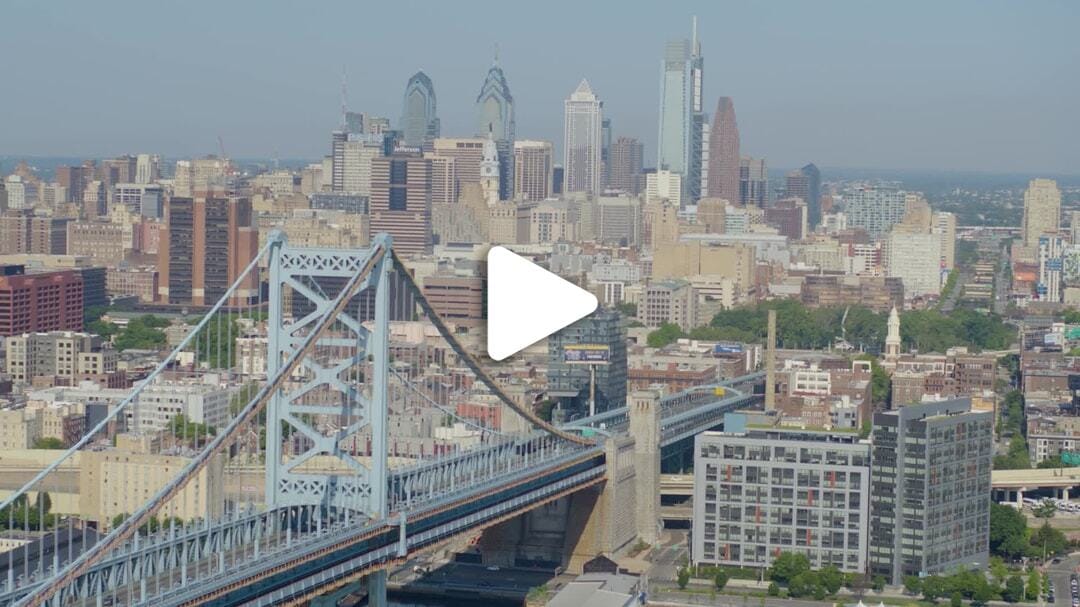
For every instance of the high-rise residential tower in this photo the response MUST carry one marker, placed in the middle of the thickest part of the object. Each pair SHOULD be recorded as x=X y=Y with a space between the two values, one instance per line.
x=724 y=153
x=495 y=115
x=1042 y=211
x=581 y=140
x=419 y=122
x=930 y=478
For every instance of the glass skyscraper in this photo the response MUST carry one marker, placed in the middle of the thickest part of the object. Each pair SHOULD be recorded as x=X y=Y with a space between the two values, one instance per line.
x=681 y=117
x=419 y=122
x=495 y=115
x=582 y=141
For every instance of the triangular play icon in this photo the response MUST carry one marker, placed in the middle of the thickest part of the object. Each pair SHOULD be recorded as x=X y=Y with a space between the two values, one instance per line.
x=526 y=303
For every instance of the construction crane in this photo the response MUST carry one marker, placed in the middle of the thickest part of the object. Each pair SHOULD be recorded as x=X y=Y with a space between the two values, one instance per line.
x=230 y=170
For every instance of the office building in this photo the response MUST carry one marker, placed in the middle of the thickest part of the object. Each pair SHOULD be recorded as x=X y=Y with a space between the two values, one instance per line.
x=915 y=258
x=944 y=224
x=875 y=210
x=62 y=357
x=419 y=120
x=569 y=382
x=789 y=217
x=23 y=232
x=930 y=487
x=139 y=282
x=102 y=241
x=616 y=219
x=147 y=168
x=805 y=183
x=21 y=194
x=334 y=201
x=208 y=241
x=1042 y=211
x=467 y=155
x=144 y=199
x=495 y=118
x=671 y=301
x=533 y=168
x=724 y=159
x=44 y=301
x=401 y=201
x=753 y=182
x=663 y=185
x=759 y=493
x=457 y=299
x=1049 y=287
x=582 y=141
x=160 y=402
x=625 y=172
x=682 y=118
x=351 y=157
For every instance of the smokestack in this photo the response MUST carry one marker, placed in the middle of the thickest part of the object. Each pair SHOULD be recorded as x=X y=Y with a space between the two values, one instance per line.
x=770 y=364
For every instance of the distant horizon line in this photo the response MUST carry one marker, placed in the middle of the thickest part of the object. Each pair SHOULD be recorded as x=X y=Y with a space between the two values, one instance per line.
x=4 y=158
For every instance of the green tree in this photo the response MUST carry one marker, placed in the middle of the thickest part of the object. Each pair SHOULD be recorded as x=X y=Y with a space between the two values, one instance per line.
x=628 y=309
x=1034 y=586
x=667 y=334
x=1017 y=457
x=1014 y=589
x=787 y=566
x=956 y=600
x=803 y=584
x=720 y=579
x=774 y=589
x=1044 y=509
x=912 y=584
x=934 y=588
x=1008 y=532
x=878 y=583
x=831 y=579
x=682 y=577
x=1047 y=542
x=48 y=442
x=880 y=381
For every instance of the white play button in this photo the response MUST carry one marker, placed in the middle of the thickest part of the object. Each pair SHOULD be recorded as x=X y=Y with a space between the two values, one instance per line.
x=526 y=303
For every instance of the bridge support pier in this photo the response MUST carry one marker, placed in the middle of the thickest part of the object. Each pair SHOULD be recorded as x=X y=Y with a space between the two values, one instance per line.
x=644 y=410
x=376 y=591
x=331 y=599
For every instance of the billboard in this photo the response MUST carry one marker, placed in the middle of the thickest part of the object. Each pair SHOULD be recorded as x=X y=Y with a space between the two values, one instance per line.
x=727 y=348
x=587 y=354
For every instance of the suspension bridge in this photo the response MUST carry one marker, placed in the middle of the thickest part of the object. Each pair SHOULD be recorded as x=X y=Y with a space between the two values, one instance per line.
x=343 y=391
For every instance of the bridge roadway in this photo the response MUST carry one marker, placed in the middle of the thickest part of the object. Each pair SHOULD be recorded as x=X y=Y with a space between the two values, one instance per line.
x=311 y=563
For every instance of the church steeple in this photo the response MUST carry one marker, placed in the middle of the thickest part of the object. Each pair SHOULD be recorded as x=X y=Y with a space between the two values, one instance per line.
x=892 y=340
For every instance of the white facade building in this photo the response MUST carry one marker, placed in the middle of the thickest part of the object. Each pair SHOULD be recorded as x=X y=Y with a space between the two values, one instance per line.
x=582 y=141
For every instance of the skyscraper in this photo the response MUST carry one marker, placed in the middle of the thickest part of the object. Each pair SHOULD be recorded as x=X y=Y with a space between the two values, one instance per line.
x=1042 y=211
x=495 y=114
x=753 y=182
x=533 y=169
x=419 y=122
x=627 y=155
x=209 y=239
x=805 y=183
x=681 y=116
x=605 y=153
x=724 y=153
x=582 y=141
x=401 y=201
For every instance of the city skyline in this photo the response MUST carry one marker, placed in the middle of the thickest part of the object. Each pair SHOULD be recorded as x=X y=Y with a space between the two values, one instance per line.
x=882 y=85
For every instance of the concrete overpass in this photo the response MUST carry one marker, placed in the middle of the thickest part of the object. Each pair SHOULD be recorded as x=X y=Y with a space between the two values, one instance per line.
x=1010 y=485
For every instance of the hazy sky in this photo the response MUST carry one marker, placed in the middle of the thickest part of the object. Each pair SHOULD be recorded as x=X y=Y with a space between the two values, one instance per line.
x=916 y=84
